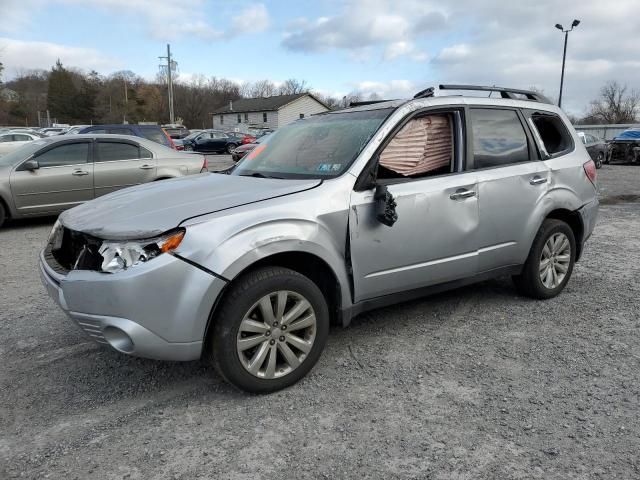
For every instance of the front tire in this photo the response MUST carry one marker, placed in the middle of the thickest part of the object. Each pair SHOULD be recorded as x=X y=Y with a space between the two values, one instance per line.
x=3 y=214
x=269 y=331
x=550 y=262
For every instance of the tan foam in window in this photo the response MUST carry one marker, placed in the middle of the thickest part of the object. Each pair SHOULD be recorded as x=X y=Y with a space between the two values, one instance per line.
x=421 y=146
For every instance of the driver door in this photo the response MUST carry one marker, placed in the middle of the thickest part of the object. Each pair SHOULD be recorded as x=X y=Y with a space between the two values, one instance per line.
x=63 y=180
x=434 y=238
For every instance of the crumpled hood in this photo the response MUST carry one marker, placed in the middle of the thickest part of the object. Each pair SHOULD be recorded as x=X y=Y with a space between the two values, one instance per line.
x=151 y=209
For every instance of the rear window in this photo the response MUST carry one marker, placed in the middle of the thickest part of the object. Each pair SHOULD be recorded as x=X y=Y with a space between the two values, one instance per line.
x=551 y=130
x=155 y=135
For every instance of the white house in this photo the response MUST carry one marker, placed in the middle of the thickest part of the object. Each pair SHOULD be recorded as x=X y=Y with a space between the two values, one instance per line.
x=266 y=112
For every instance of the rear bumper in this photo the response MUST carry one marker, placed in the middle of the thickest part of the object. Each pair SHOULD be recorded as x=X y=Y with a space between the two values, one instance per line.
x=157 y=310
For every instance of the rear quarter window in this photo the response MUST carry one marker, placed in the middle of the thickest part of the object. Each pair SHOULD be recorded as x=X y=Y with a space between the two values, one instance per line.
x=552 y=132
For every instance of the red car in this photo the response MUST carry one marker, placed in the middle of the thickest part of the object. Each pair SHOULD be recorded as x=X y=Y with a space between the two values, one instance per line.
x=242 y=138
x=241 y=150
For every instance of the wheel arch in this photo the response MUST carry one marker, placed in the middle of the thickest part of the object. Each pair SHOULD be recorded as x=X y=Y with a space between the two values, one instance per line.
x=574 y=220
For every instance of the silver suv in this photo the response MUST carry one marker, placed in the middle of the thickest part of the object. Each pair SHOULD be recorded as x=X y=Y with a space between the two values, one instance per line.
x=334 y=215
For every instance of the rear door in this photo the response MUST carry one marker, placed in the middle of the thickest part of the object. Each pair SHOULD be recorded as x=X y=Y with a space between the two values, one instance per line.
x=511 y=182
x=121 y=163
x=63 y=180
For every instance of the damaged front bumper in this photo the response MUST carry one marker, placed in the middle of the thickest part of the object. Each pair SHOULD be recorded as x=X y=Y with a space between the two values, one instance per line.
x=157 y=310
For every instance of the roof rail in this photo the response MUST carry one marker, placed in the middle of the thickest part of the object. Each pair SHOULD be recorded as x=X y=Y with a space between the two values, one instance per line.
x=504 y=92
x=366 y=102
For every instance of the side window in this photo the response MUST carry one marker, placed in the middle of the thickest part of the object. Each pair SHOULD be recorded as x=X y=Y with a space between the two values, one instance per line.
x=69 y=154
x=98 y=130
x=498 y=138
x=21 y=138
x=552 y=132
x=110 y=151
x=422 y=148
x=6 y=138
x=144 y=153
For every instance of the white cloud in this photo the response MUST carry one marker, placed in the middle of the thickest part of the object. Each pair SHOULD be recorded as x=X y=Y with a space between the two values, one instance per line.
x=252 y=19
x=18 y=55
x=387 y=90
x=403 y=48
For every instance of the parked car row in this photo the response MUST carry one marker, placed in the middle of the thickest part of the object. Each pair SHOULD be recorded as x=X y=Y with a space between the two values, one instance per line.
x=49 y=175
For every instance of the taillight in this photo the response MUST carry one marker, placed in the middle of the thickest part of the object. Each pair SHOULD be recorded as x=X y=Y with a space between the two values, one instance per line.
x=205 y=166
x=179 y=147
x=590 y=170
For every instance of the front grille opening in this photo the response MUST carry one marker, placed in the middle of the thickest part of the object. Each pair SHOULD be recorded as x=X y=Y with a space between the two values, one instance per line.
x=77 y=251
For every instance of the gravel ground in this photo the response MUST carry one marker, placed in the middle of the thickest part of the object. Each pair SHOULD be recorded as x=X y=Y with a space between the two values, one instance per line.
x=474 y=383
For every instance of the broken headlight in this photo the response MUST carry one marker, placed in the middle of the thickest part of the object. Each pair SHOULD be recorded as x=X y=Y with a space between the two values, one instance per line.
x=120 y=255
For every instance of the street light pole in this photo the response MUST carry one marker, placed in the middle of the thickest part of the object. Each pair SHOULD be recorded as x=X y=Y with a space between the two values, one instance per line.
x=574 y=24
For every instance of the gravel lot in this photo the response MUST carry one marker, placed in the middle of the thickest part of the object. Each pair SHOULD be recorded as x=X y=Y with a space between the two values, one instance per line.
x=475 y=383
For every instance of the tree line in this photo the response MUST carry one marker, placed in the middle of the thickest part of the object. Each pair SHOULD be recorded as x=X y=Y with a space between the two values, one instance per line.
x=75 y=97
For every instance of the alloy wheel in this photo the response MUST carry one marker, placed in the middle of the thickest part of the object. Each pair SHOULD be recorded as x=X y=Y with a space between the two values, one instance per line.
x=555 y=260
x=276 y=334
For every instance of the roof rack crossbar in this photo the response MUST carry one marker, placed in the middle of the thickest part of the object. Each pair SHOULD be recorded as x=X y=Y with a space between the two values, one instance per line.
x=427 y=92
x=510 y=93
x=366 y=102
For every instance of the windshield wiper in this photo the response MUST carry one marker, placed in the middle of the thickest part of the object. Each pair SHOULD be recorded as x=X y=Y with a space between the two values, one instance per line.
x=258 y=175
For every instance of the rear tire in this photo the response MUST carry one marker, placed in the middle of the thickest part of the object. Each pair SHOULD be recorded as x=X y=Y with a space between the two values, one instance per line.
x=3 y=214
x=230 y=148
x=550 y=262
x=599 y=160
x=269 y=331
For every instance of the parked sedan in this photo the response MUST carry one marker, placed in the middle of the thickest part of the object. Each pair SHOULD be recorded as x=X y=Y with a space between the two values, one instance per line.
x=212 y=141
x=10 y=141
x=49 y=175
x=596 y=147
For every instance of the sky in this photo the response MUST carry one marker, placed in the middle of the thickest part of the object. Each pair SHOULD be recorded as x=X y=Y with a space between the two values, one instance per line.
x=393 y=48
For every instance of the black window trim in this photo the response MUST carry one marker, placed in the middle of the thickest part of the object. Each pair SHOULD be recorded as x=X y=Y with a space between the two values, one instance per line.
x=460 y=158
x=96 y=153
x=528 y=114
x=43 y=150
x=531 y=145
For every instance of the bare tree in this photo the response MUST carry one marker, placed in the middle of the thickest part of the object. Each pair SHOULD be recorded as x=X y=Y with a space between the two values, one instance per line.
x=615 y=105
x=263 y=88
x=293 y=86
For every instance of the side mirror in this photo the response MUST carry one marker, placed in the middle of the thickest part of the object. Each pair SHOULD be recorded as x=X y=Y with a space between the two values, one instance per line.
x=385 y=206
x=30 y=165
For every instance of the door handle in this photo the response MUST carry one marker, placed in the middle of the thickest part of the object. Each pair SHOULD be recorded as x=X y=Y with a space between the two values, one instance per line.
x=537 y=180
x=145 y=167
x=79 y=173
x=462 y=193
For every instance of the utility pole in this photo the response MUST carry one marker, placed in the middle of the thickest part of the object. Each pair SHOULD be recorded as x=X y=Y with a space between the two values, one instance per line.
x=170 y=66
x=126 y=102
x=564 y=54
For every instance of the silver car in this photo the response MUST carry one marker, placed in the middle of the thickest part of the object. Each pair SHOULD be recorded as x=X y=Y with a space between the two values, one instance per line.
x=49 y=175
x=337 y=214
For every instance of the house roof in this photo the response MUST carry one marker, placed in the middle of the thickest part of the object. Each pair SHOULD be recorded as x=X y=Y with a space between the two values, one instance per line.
x=262 y=104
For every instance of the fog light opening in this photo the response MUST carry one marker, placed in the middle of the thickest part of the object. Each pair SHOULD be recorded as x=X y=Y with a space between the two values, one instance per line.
x=118 y=339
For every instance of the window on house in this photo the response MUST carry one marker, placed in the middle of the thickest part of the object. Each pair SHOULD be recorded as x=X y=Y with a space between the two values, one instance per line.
x=264 y=117
x=302 y=115
x=422 y=148
x=499 y=138
x=221 y=119
x=246 y=118
x=553 y=133
x=239 y=118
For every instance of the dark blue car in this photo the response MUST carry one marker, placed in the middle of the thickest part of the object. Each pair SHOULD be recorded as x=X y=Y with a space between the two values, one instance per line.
x=150 y=132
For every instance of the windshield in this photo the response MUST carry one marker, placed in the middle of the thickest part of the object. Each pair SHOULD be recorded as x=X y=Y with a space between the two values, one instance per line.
x=193 y=135
x=322 y=146
x=22 y=153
